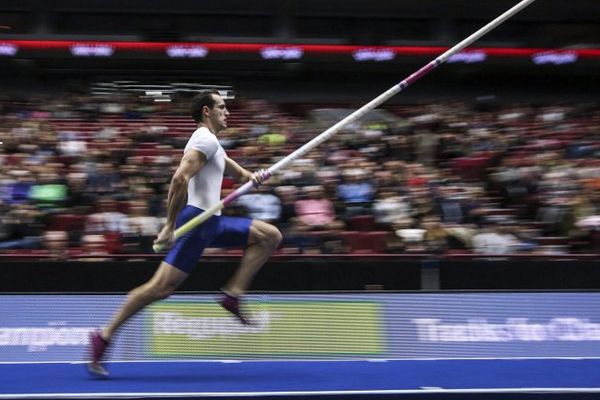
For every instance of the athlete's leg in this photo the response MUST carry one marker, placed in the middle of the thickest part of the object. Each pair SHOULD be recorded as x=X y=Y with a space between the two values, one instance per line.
x=175 y=268
x=263 y=239
x=166 y=279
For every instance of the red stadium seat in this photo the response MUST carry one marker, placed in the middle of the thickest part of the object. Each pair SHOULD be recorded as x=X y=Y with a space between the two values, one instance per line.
x=112 y=242
x=365 y=242
x=67 y=222
x=471 y=167
x=552 y=240
x=148 y=152
x=233 y=153
x=595 y=241
x=375 y=241
x=361 y=223
x=350 y=239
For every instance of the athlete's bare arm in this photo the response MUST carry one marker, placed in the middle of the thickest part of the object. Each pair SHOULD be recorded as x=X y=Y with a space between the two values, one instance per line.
x=237 y=171
x=190 y=165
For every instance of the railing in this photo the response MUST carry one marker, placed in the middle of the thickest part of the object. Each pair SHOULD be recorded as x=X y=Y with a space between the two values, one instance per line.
x=283 y=256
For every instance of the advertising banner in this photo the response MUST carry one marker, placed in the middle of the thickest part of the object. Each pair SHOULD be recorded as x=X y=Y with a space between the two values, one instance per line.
x=295 y=328
x=40 y=328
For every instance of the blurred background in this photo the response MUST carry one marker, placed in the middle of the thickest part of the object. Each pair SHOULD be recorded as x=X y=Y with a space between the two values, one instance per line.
x=460 y=220
x=495 y=153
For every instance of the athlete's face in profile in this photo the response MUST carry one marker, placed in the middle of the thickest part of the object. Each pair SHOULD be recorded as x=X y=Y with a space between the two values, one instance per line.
x=218 y=114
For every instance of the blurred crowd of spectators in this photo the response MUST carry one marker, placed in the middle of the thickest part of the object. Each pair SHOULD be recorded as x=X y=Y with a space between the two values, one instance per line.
x=82 y=175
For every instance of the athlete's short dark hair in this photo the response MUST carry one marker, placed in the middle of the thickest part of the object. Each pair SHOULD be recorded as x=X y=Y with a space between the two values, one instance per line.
x=204 y=98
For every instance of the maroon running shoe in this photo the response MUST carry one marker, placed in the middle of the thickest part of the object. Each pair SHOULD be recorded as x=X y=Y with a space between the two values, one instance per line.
x=98 y=346
x=232 y=304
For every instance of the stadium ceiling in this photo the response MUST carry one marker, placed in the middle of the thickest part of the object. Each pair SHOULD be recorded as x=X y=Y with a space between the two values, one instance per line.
x=556 y=9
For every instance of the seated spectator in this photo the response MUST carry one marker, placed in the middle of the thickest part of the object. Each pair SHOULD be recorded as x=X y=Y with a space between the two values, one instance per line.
x=72 y=146
x=142 y=228
x=21 y=227
x=390 y=208
x=449 y=204
x=314 y=226
x=301 y=173
x=5 y=221
x=408 y=240
x=262 y=204
x=107 y=218
x=94 y=248
x=272 y=139
x=229 y=138
x=436 y=236
x=497 y=239
x=425 y=141
x=315 y=211
x=103 y=179
x=356 y=192
x=79 y=199
x=538 y=164
x=50 y=192
x=460 y=237
x=557 y=217
x=15 y=189
x=57 y=244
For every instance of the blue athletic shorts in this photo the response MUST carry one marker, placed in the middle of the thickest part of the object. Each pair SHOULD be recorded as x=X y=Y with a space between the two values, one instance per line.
x=217 y=231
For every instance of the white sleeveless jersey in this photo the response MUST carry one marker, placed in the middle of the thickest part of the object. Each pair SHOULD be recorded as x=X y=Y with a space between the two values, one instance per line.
x=204 y=188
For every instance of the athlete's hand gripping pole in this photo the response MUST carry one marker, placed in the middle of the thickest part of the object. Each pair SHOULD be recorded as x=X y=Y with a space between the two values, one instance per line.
x=248 y=186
